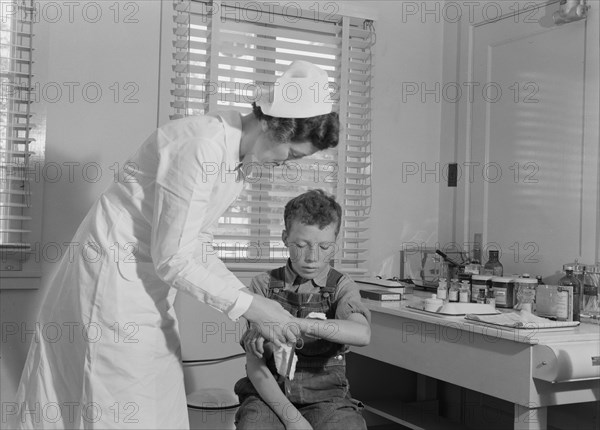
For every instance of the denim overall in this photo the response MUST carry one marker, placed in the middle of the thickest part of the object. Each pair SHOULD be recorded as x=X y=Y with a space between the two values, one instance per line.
x=320 y=389
x=321 y=368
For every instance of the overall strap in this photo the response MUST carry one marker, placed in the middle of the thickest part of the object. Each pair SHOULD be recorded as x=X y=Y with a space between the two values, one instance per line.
x=333 y=279
x=276 y=280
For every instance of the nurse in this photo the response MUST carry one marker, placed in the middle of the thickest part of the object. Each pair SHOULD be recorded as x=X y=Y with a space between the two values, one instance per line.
x=116 y=360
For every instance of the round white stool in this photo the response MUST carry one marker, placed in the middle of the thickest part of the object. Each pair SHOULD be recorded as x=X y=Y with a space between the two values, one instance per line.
x=212 y=409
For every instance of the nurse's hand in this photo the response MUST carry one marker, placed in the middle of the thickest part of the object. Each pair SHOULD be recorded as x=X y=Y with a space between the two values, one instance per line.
x=253 y=341
x=272 y=322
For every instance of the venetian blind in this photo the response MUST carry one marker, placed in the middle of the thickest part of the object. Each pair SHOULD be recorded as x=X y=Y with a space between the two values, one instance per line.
x=224 y=51
x=15 y=124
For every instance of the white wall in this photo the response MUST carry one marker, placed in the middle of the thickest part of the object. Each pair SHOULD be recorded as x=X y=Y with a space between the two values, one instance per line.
x=79 y=131
x=406 y=133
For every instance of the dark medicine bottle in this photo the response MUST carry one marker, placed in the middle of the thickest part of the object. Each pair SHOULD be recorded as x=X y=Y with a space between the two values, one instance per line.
x=571 y=280
x=493 y=266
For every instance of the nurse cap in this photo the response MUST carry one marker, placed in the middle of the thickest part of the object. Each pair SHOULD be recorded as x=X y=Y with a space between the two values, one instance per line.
x=301 y=92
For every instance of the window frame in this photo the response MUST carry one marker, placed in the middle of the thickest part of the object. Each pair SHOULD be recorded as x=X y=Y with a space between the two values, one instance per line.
x=346 y=13
x=27 y=273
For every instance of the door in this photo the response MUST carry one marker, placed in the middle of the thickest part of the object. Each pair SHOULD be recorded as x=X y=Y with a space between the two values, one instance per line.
x=531 y=187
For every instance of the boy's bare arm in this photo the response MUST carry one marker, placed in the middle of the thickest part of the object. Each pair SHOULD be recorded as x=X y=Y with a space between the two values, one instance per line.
x=353 y=331
x=265 y=384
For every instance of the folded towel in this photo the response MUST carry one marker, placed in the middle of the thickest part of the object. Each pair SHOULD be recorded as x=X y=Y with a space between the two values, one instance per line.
x=521 y=319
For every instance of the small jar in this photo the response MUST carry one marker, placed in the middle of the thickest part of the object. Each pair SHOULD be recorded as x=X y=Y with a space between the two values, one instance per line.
x=464 y=294
x=503 y=288
x=481 y=297
x=453 y=291
x=480 y=283
x=442 y=289
x=524 y=295
x=491 y=298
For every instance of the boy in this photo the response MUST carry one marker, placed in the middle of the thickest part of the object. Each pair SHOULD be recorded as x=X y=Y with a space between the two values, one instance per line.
x=317 y=396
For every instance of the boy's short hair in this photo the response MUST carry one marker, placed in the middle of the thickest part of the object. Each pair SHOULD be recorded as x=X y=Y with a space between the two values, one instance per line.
x=314 y=207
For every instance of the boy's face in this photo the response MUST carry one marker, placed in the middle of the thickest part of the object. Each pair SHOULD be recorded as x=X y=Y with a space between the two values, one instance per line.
x=310 y=247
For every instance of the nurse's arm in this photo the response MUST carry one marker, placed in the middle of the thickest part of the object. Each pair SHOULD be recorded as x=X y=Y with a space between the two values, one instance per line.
x=180 y=248
x=182 y=252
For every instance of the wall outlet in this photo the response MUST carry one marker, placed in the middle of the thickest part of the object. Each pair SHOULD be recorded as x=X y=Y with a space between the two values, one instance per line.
x=452 y=174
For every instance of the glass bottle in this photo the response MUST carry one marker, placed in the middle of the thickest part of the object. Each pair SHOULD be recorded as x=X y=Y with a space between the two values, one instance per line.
x=491 y=298
x=474 y=265
x=571 y=280
x=477 y=248
x=464 y=294
x=442 y=290
x=591 y=299
x=453 y=291
x=481 y=297
x=493 y=266
x=540 y=280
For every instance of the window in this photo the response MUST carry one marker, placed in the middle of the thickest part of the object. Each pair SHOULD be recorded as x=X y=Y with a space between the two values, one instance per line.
x=221 y=51
x=17 y=146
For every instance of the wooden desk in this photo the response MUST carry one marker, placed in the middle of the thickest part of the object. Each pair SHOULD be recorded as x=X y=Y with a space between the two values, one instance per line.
x=493 y=361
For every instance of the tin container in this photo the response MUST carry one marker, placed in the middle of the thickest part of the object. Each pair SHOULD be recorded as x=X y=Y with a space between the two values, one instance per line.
x=503 y=288
x=480 y=282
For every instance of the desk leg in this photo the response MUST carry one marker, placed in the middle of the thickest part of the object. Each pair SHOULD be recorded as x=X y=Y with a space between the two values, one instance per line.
x=530 y=418
x=426 y=388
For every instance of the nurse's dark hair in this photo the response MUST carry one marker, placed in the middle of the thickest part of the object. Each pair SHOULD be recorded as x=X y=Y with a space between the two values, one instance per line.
x=322 y=130
x=314 y=207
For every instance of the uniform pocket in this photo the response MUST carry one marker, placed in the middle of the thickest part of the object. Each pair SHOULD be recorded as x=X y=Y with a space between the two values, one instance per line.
x=135 y=270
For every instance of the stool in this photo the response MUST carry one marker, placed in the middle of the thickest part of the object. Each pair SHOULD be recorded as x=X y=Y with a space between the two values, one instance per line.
x=212 y=408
